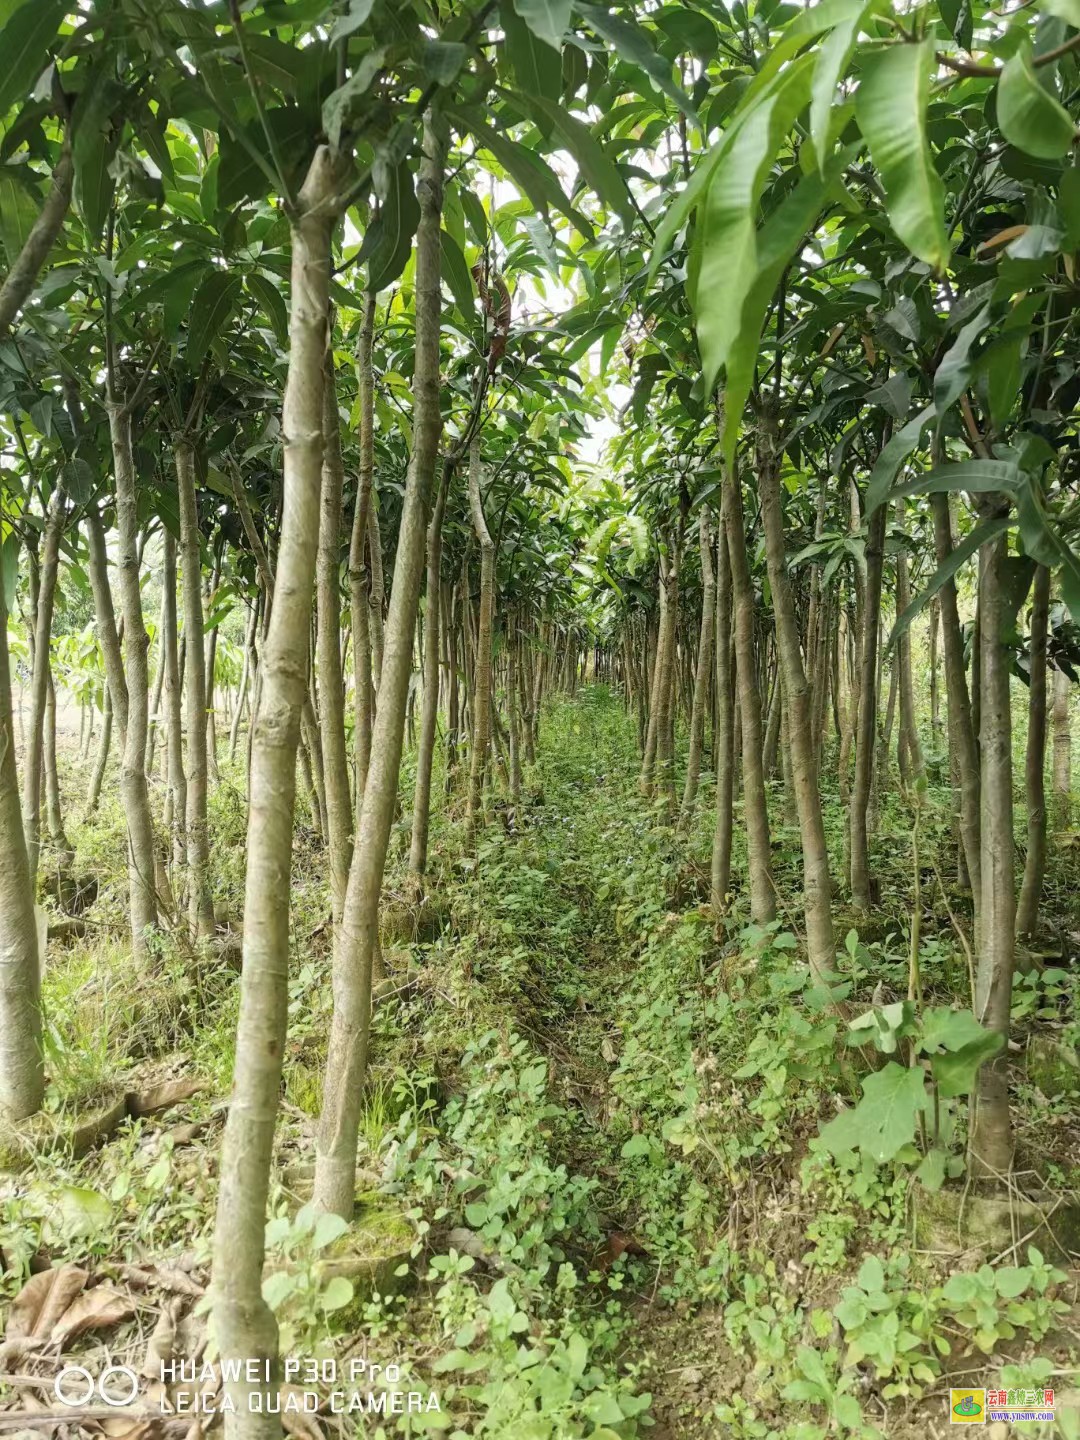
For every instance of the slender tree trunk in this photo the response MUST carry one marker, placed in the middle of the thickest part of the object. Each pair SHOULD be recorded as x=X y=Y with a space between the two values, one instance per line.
x=245 y=1326
x=817 y=886
x=39 y=680
x=245 y=679
x=909 y=730
x=429 y=713
x=991 y=1132
x=22 y=1075
x=93 y=795
x=26 y=266
x=961 y=727
x=377 y=588
x=664 y=640
x=723 y=732
x=866 y=732
x=174 y=715
x=481 y=688
x=335 y=1168
x=199 y=891
x=328 y=651
x=1062 y=748
x=133 y=786
x=1027 y=911
x=63 y=854
x=706 y=663
x=755 y=811
x=359 y=598
x=513 y=723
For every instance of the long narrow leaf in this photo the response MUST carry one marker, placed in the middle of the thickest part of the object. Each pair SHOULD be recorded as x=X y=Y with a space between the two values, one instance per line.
x=981 y=535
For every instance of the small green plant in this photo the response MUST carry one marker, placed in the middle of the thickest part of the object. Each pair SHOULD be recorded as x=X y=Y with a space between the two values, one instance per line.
x=297 y=1291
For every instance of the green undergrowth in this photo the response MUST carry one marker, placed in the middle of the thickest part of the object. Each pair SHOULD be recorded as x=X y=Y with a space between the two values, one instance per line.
x=602 y=1125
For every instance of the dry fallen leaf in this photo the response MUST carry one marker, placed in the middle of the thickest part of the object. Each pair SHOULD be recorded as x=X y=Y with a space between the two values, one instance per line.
x=43 y=1300
x=161 y=1347
x=297 y=1422
x=93 y=1310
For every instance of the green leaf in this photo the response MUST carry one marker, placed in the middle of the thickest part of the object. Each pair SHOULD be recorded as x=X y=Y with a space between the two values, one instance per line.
x=955 y=1071
x=1029 y=116
x=883 y=1121
x=931 y=1173
x=328 y=1228
x=337 y=1295
x=776 y=242
x=954 y=372
x=981 y=535
x=946 y=1029
x=892 y=456
x=388 y=241
x=18 y=212
x=980 y=477
x=214 y=302
x=527 y=169
x=633 y=45
x=455 y=271
x=596 y=165
x=82 y=1211
x=272 y=303
x=890 y=106
x=537 y=67
x=547 y=19
x=177 y=290
x=340 y=107
x=24 y=45
x=832 y=59
x=726 y=247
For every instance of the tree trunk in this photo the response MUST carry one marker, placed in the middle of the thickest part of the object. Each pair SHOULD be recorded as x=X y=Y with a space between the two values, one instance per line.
x=199 y=890
x=133 y=786
x=39 y=680
x=817 y=886
x=723 y=733
x=706 y=662
x=991 y=1134
x=1027 y=910
x=1062 y=749
x=866 y=733
x=93 y=795
x=22 y=1075
x=63 y=854
x=961 y=727
x=174 y=716
x=244 y=1323
x=26 y=266
x=429 y=714
x=328 y=651
x=359 y=598
x=909 y=730
x=335 y=1168
x=755 y=811
x=481 y=687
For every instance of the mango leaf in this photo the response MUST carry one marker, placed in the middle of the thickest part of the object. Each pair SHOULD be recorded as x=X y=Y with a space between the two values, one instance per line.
x=726 y=265
x=537 y=66
x=777 y=241
x=24 y=44
x=528 y=170
x=388 y=241
x=17 y=215
x=596 y=164
x=981 y=535
x=890 y=106
x=831 y=61
x=214 y=302
x=883 y=1121
x=979 y=477
x=94 y=185
x=632 y=44
x=455 y=271
x=1029 y=116
x=892 y=456
x=547 y=19
x=339 y=108
x=272 y=303
x=955 y=369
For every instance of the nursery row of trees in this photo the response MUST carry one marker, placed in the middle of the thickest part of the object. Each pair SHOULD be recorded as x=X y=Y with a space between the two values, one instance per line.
x=307 y=309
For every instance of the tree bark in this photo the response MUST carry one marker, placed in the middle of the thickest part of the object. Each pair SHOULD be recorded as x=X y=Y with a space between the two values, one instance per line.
x=481 y=687
x=328 y=652
x=199 y=890
x=1062 y=748
x=755 y=810
x=723 y=733
x=817 y=885
x=1027 y=910
x=706 y=662
x=39 y=680
x=429 y=713
x=19 y=281
x=335 y=1167
x=867 y=719
x=22 y=1074
x=244 y=1323
x=133 y=786
x=990 y=1132
x=174 y=715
